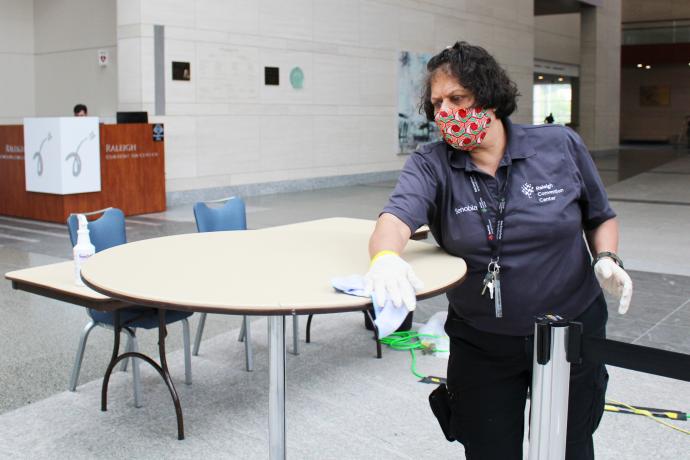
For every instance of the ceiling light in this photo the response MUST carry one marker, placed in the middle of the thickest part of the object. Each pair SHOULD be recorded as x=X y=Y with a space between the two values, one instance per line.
x=560 y=78
x=640 y=65
x=541 y=77
x=648 y=67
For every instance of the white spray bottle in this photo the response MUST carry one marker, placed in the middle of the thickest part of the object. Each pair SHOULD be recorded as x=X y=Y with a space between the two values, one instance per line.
x=83 y=249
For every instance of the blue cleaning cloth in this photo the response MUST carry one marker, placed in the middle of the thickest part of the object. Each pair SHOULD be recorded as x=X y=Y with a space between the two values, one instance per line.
x=388 y=317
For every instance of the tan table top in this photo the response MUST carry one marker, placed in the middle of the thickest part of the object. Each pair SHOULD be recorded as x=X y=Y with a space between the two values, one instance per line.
x=57 y=281
x=278 y=270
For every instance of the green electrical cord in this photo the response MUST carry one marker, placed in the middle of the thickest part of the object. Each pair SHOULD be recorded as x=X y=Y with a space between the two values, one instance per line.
x=410 y=340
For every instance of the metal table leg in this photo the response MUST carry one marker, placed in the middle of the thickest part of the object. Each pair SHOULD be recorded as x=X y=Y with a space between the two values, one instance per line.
x=309 y=328
x=295 y=334
x=276 y=389
x=162 y=368
x=376 y=334
x=248 y=350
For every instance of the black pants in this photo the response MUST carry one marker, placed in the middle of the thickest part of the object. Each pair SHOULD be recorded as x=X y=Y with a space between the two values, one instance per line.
x=488 y=377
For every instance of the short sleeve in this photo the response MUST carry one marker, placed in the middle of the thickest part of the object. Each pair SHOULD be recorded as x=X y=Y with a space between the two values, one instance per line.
x=414 y=199
x=594 y=201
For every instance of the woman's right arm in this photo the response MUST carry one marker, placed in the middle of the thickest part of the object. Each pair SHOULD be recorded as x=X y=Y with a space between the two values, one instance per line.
x=411 y=203
x=390 y=234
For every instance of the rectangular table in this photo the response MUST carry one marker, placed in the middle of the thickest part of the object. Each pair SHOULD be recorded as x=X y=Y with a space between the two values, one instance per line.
x=56 y=281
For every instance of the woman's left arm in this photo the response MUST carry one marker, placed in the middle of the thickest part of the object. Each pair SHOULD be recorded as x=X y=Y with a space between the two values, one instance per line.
x=608 y=267
x=604 y=238
x=598 y=219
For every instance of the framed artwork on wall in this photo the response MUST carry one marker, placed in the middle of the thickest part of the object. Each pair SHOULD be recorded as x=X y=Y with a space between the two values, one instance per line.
x=181 y=71
x=271 y=76
x=655 y=96
x=413 y=128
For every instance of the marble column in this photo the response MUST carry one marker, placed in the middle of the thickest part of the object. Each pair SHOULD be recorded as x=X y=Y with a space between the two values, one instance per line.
x=600 y=48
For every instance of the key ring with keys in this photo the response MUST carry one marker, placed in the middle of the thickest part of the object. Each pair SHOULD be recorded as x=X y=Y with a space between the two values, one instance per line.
x=493 y=266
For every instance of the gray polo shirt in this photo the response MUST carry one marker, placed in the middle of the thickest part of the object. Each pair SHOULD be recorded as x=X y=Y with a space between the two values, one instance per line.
x=554 y=193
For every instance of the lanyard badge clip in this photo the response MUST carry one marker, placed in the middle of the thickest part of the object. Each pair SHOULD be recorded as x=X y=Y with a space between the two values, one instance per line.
x=492 y=283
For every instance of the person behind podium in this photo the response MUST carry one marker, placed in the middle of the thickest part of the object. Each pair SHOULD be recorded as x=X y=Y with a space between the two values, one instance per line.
x=513 y=201
x=80 y=110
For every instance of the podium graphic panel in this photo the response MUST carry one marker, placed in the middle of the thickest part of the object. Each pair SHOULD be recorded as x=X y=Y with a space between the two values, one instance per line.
x=41 y=155
x=62 y=155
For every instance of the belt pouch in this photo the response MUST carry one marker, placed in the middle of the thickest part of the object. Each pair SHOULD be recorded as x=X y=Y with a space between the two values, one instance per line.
x=440 y=403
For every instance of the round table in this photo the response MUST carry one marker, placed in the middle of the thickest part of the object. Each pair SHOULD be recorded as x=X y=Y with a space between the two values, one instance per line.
x=277 y=271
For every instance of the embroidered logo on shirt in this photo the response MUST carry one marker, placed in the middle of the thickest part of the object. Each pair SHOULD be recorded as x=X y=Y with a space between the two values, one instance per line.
x=468 y=208
x=547 y=192
x=527 y=189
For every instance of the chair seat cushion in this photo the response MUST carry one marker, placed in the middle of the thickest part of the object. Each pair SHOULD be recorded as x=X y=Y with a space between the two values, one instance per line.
x=139 y=317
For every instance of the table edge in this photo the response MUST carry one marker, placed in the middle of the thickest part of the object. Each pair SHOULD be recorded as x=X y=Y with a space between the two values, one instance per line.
x=105 y=305
x=268 y=311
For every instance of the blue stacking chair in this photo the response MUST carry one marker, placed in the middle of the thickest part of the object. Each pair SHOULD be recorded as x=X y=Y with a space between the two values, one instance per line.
x=105 y=232
x=230 y=215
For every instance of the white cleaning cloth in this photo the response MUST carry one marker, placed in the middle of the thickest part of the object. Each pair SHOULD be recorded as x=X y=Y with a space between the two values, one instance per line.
x=388 y=317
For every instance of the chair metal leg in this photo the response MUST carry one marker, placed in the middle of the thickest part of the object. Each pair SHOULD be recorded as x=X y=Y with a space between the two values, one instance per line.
x=240 y=338
x=295 y=335
x=80 y=354
x=248 y=352
x=187 y=352
x=128 y=347
x=199 y=333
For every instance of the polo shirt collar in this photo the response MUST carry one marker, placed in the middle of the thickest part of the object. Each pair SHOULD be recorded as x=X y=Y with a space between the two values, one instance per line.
x=518 y=147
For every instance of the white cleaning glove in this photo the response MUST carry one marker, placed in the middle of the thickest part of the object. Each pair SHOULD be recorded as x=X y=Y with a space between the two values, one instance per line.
x=614 y=280
x=390 y=277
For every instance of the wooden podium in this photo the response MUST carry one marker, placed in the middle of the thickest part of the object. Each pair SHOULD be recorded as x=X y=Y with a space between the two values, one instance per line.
x=132 y=176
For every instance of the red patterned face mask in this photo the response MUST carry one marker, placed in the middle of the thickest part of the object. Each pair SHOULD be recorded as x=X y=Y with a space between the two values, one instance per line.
x=463 y=129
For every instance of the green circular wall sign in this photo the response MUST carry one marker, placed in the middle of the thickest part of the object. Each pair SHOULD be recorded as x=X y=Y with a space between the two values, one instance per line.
x=296 y=78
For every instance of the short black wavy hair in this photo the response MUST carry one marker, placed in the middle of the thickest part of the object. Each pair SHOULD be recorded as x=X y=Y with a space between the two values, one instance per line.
x=476 y=70
x=80 y=107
